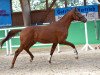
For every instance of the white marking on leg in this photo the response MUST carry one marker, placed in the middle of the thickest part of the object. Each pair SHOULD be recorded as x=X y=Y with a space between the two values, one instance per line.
x=49 y=58
x=76 y=53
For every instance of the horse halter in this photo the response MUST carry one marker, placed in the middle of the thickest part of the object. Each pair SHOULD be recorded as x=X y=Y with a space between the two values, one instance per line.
x=78 y=15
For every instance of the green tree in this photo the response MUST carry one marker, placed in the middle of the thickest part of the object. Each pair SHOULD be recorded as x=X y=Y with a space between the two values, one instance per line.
x=41 y=4
x=16 y=6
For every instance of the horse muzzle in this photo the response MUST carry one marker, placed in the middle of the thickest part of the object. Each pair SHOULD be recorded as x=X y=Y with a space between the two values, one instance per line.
x=84 y=20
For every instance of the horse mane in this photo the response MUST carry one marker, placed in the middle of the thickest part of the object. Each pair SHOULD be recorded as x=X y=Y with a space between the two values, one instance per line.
x=73 y=10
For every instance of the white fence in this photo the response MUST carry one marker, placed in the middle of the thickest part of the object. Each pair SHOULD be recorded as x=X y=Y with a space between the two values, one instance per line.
x=6 y=46
x=9 y=46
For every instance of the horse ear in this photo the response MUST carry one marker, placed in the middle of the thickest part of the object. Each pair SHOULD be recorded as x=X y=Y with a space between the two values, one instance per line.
x=75 y=9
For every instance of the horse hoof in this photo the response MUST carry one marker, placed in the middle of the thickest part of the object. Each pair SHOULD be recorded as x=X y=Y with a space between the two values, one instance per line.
x=76 y=57
x=11 y=67
x=31 y=60
x=49 y=62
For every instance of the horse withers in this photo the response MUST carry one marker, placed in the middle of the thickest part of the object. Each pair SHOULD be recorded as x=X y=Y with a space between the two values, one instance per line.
x=55 y=33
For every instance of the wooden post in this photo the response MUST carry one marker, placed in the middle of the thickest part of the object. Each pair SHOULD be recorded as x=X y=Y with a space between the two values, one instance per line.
x=46 y=4
x=48 y=10
x=25 y=5
x=65 y=3
x=84 y=2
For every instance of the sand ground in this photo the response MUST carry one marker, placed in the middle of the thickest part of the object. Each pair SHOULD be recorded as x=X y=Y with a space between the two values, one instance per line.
x=63 y=63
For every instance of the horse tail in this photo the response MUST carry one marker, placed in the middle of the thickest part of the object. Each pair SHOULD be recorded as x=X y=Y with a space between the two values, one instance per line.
x=10 y=34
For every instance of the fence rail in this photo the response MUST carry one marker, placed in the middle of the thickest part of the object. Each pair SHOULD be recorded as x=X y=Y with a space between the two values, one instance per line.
x=9 y=46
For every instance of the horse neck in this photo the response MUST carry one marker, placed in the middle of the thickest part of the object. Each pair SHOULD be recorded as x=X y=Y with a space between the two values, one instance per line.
x=66 y=20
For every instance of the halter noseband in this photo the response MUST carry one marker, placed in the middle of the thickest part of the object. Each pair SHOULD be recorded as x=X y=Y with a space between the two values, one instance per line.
x=80 y=17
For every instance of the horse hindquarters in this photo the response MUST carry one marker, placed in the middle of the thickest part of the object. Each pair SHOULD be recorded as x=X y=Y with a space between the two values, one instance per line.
x=27 y=38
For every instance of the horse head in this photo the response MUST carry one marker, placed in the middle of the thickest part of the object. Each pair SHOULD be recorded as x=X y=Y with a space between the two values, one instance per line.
x=78 y=16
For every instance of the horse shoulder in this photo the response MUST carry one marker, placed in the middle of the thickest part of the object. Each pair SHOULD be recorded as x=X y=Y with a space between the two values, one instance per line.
x=61 y=35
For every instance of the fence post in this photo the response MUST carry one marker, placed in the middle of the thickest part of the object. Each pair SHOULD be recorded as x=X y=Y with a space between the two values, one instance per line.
x=10 y=45
x=87 y=46
x=7 y=49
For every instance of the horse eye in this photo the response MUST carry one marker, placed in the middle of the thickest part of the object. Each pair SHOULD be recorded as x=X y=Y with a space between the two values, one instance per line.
x=76 y=12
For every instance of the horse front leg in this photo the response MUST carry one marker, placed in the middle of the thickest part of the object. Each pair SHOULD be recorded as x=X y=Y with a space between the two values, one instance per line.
x=73 y=46
x=27 y=49
x=52 y=51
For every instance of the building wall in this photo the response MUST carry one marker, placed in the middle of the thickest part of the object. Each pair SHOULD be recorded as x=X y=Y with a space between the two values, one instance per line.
x=36 y=17
x=17 y=19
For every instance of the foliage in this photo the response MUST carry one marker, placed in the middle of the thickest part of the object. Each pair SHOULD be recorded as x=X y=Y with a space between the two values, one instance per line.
x=41 y=4
x=16 y=6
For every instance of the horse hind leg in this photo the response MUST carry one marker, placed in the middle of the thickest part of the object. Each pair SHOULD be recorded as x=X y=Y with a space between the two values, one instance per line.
x=17 y=52
x=73 y=46
x=31 y=55
x=27 y=49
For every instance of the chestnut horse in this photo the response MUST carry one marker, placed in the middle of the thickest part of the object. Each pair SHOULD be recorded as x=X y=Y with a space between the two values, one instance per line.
x=55 y=33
